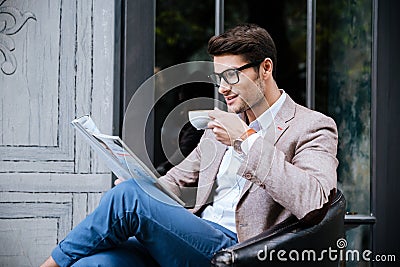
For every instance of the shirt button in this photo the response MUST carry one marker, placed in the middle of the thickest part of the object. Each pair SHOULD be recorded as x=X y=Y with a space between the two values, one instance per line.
x=248 y=176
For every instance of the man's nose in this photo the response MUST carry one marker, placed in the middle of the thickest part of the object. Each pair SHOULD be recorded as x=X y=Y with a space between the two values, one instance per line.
x=224 y=87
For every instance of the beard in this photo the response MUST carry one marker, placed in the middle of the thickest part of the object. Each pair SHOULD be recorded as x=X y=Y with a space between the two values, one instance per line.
x=240 y=108
x=243 y=104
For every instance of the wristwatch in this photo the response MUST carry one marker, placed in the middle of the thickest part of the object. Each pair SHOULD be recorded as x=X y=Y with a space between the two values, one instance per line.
x=237 y=143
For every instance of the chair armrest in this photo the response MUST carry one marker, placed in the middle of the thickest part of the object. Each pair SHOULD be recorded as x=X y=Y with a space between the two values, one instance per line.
x=289 y=234
x=248 y=249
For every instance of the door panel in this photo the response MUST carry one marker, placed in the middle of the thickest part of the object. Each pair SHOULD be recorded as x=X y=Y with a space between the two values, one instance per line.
x=56 y=63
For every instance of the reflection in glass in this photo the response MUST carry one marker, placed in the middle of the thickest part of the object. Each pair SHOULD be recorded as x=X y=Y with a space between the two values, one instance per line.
x=286 y=21
x=343 y=91
x=182 y=32
x=352 y=256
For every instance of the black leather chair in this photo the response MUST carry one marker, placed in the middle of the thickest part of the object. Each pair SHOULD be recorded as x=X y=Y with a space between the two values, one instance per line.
x=302 y=245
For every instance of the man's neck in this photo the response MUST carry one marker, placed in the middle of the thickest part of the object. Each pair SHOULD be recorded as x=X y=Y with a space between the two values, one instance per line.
x=272 y=94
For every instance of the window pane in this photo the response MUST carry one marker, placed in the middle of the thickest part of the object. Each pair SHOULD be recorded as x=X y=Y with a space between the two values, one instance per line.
x=358 y=240
x=343 y=91
x=286 y=21
x=182 y=32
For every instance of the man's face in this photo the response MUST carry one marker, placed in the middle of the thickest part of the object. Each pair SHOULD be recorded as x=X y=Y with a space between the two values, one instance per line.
x=248 y=93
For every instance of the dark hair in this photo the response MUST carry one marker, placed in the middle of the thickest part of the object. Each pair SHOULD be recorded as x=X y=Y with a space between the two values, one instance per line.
x=250 y=41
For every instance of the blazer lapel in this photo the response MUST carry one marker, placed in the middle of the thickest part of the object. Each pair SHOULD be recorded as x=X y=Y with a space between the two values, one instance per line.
x=277 y=128
x=284 y=115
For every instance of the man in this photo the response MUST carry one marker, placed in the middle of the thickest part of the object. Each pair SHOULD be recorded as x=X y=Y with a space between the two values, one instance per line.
x=264 y=161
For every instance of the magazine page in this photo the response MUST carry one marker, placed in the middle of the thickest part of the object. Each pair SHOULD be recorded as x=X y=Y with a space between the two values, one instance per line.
x=87 y=128
x=127 y=159
x=120 y=159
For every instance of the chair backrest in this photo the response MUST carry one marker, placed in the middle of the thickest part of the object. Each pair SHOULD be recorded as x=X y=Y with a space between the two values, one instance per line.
x=291 y=243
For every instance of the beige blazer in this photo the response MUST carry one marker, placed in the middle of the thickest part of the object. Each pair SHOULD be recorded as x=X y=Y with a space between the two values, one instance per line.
x=290 y=171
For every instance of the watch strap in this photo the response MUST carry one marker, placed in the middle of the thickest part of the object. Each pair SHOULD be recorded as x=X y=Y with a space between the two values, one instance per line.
x=247 y=133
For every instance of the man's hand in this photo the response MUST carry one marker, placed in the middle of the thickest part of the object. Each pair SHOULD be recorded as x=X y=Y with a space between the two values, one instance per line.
x=226 y=126
x=118 y=181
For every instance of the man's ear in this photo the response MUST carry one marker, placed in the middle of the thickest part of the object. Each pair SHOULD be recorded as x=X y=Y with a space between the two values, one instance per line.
x=266 y=68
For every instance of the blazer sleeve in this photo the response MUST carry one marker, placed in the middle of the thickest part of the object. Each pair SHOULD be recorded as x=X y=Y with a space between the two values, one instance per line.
x=184 y=176
x=303 y=183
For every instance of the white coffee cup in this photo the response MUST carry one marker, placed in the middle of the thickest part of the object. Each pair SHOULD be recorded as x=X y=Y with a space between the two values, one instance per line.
x=199 y=118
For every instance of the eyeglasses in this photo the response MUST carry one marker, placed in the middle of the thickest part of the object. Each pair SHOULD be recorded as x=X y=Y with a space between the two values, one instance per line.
x=231 y=76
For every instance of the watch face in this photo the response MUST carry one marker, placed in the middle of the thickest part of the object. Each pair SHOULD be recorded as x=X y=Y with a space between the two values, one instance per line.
x=237 y=146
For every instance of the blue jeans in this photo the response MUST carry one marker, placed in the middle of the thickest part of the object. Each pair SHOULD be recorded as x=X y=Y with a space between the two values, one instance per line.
x=164 y=233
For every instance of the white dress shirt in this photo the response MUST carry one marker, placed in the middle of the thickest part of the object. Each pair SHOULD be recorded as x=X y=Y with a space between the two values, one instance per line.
x=229 y=184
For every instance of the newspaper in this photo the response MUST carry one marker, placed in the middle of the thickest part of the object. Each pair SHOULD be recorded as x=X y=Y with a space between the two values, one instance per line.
x=120 y=159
